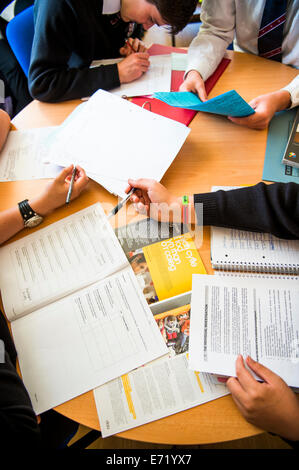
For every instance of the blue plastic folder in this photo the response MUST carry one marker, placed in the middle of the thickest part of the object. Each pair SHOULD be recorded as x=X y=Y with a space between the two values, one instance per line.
x=227 y=104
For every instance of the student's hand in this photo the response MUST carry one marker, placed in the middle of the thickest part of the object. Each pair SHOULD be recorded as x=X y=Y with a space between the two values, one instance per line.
x=265 y=107
x=137 y=45
x=193 y=82
x=55 y=192
x=133 y=66
x=271 y=405
x=154 y=200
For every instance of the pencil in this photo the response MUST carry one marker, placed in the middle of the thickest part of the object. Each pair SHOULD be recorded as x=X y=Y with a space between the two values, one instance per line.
x=69 y=193
x=121 y=204
x=130 y=45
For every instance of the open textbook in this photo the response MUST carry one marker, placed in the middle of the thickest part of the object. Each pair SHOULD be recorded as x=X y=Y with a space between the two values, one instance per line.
x=156 y=78
x=79 y=318
x=248 y=316
x=114 y=140
x=162 y=387
x=242 y=250
x=23 y=155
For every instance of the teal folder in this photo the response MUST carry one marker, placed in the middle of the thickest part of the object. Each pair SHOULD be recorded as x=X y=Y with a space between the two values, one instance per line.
x=278 y=135
x=227 y=104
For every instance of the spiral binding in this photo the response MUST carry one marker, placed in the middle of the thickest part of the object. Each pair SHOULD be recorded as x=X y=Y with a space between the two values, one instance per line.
x=233 y=266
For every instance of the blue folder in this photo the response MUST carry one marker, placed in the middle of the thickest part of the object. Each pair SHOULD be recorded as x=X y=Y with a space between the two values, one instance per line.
x=227 y=104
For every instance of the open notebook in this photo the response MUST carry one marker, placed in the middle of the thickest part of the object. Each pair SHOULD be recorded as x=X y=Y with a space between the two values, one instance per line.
x=241 y=250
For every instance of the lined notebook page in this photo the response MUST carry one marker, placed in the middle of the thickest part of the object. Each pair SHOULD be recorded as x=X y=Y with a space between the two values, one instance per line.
x=240 y=250
x=252 y=251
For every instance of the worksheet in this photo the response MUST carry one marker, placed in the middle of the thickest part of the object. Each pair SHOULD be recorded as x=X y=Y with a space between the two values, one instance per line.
x=57 y=260
x=85 y=339
x=248 y=316
x=156 y=78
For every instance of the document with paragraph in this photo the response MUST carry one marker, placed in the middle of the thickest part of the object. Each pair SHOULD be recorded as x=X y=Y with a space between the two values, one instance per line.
x=256 y=317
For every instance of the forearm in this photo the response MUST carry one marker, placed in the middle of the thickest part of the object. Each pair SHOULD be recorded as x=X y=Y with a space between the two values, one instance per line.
x=69 y=84
x=263 y=208
x=11 y=221
x=216 y=33
x=293 y=89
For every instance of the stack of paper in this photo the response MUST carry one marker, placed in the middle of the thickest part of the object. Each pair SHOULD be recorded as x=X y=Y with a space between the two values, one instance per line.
x=114 y=140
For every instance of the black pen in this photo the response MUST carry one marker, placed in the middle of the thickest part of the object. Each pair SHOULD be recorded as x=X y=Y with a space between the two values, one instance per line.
x=69 y=193
x=121 y=204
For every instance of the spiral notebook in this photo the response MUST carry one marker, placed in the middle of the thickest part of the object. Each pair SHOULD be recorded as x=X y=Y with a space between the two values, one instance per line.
x=241 y=250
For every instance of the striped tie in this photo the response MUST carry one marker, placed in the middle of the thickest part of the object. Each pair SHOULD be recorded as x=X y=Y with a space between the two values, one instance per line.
x=271 y=29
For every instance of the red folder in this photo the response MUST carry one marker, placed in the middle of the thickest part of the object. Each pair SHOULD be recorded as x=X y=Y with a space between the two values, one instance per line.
x=184 y=116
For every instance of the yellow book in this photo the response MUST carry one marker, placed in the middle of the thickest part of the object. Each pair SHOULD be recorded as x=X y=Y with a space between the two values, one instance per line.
x=164 y=269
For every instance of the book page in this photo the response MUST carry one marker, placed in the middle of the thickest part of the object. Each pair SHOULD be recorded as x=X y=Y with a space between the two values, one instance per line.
x=160 y=388
x=152 y=392
x=86 y=339
x=156 y=78
x=58 y=259
x=99 y=138
x=245 y=316
x=23 y=154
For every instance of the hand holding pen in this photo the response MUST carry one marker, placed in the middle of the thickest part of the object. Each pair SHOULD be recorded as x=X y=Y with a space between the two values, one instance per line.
x=131 y=46
x=75 y=180
x=55 y=192
x=117 y=208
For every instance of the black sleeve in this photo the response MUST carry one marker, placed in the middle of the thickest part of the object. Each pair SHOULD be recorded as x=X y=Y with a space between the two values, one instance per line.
x=266 y=208
x=18 y=423
x=50 y=78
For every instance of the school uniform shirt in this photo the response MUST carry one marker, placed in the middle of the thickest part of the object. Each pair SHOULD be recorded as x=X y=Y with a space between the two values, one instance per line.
x=69 y=35
x=239 y=21
x=268 y=208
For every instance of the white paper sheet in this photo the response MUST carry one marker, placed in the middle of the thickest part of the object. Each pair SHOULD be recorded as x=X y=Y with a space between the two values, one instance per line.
x=86 y=339
x=23 y=155
x=115 y=138
x=157 y=78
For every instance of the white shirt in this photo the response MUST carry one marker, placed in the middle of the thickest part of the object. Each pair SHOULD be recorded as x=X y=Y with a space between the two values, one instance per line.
x=224 y=21
x=110 y=7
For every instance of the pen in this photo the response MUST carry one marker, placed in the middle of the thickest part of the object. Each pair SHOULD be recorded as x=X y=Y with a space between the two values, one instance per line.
x=69 y=193
x=121 y=204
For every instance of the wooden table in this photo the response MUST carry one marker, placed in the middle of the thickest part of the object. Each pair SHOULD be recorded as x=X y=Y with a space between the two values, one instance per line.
x=216 y=152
